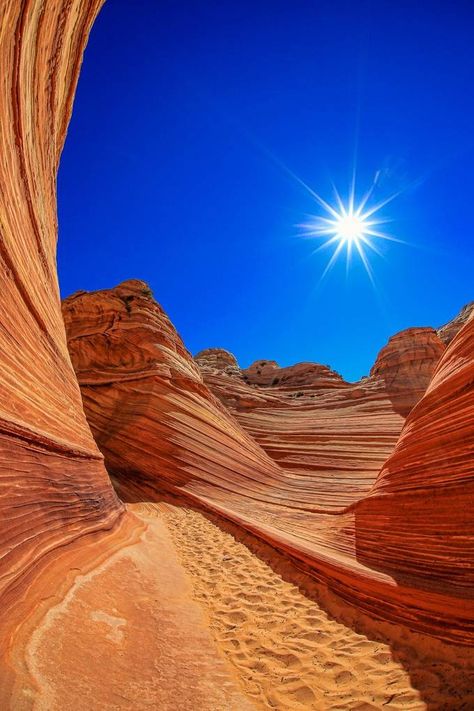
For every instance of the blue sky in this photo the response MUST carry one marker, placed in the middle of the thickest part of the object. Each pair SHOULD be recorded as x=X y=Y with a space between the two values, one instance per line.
x=186 y=113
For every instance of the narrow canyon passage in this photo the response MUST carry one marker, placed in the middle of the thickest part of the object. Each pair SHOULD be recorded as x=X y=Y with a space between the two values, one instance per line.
x=200 y=615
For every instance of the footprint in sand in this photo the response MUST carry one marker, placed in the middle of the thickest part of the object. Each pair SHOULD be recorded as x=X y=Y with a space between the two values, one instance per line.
x=288 y=653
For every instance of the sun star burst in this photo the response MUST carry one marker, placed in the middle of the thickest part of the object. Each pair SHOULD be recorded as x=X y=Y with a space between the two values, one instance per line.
x=348 y=226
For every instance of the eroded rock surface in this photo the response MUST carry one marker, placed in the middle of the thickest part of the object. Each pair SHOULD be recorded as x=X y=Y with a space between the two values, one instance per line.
x=156 y=422
x=54 y=489
x=417 y=524
x=450 y=329
x=161 y=428
x=279 y=463
x=406 y=365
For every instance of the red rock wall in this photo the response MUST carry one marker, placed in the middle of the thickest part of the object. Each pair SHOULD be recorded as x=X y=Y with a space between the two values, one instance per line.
x=53 y=485
x=406 y=364
x=331 y=435
x=156 y=422
x=417 y=524
x=161 y=428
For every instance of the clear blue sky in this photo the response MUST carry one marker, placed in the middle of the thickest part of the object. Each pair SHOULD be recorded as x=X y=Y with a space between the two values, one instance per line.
x=167 y=173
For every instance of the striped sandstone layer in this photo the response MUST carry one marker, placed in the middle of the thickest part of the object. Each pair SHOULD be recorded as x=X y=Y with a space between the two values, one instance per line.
x=160 y=428
x=334 y=434
x=54 y=489
x=66 y=542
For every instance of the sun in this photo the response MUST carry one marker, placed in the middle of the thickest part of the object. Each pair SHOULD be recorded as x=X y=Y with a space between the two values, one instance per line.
x=350 y=226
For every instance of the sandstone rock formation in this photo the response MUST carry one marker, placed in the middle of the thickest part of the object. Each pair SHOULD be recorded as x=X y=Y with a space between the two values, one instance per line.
x=406 y=365
x=295 y=469
x=63 y=529
x=155 y=421
x=450 y=329
x=53 y=486
x=310 y=421
x=218 y=359
x=161 y=429
x=417 y=524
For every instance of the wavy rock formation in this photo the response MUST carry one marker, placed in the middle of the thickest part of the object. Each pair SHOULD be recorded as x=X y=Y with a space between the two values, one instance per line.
x=66 y=542
x=160 y=428
x=220 y=360
x=53 y=486
x=153 y=418
x=406 y=365
x=417 y=524
x=315 y=425
x=299 y=445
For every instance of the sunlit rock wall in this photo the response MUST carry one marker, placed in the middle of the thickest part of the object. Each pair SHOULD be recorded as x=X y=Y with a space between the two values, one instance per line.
x=53 y=485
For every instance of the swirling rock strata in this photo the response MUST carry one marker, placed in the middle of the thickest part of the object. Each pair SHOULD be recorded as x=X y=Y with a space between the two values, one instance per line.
x=334 y=434
x=161 y=428
x=406 y=365
x=153 y=417
x=53 y=486
x=330 y=434
x=417 y=524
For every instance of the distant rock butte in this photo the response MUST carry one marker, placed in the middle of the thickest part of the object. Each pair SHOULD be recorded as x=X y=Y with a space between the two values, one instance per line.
x=406 y=365
x=296 y=461
x=218 y=359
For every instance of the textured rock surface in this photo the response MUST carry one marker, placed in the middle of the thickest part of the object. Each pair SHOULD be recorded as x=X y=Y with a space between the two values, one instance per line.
x=406 y=365
x=268 y=373
x=156 y=422
x=329 y=434
x=160 y=428
x=128 y=636
x=219 y=360
x=314 y=424
x=53 y=485
x=417 y=524
x=450 y=329
x=63 y=529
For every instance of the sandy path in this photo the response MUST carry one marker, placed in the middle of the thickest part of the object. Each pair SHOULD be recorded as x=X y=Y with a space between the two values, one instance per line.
x=128 y=635
x=289 y=653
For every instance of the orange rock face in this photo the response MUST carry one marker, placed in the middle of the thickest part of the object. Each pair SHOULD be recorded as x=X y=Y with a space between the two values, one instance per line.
x=335 y=434
x=154 y=419
x=308 y=493
x=406 y=365
x=53 y=485
x=329 y=435
x=291 y=454
x=417 y=524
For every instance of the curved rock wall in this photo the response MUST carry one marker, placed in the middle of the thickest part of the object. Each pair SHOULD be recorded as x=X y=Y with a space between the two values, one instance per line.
x=53 y=485
x=406 y=365
x=417 y=524
x=152 y=416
